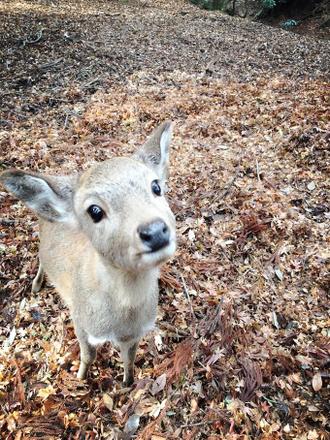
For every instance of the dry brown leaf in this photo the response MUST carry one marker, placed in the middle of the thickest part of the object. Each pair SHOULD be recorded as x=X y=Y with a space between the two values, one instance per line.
x=151 y=427
x=181 y=359
x=20 y=393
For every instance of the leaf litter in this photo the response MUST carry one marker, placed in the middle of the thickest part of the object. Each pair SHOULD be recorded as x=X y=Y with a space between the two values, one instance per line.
x=242 y=347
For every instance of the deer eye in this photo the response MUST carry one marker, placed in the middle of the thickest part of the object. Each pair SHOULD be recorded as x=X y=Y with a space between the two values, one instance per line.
x=96 y=213
x=155 y=188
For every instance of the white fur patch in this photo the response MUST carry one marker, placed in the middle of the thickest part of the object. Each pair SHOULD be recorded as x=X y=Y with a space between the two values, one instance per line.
x=148 y=327
x=93 y=340
x=96 y=340
x=151 y=259
x=165 y=141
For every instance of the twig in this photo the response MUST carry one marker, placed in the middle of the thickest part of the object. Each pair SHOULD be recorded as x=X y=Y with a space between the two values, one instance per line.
x=66 y=121
x=188 y=297
x=257 y=167
x=50 y=64
x=206 y=422
x=89 y=45
x=90 y=83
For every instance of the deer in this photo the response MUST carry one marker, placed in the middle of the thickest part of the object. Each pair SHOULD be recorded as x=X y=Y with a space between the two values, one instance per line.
x=104 y=233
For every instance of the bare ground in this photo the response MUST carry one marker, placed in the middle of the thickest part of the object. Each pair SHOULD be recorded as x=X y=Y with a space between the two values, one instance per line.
x=242 y=349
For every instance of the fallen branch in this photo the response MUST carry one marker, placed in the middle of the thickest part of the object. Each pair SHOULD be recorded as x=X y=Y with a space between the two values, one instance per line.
x=50 y=64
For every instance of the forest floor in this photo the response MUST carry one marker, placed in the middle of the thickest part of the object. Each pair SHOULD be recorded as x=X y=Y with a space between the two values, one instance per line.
x=241 y=349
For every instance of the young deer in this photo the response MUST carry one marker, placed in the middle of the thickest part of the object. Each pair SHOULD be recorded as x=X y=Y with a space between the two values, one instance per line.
x=103 y=235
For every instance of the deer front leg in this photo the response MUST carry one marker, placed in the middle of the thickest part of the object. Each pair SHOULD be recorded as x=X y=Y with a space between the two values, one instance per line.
x=127 y=353
x=38 y=280
x=87 y=353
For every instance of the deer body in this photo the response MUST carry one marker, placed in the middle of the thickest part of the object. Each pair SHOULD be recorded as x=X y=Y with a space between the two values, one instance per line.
x=103 y=236
x=129 y=298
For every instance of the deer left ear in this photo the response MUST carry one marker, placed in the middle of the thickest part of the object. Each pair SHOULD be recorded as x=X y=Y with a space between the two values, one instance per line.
x=49 y=196
x=155 y=152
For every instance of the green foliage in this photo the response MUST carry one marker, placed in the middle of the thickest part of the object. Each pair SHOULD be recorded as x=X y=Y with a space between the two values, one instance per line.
x=204 y=4
x=289 y=23
x=269 y=4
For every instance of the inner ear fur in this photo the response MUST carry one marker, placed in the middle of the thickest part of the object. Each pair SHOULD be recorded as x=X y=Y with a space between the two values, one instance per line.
x=155 y=151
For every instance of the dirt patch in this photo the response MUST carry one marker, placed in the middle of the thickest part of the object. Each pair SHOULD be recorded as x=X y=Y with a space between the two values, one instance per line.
x=70 y=50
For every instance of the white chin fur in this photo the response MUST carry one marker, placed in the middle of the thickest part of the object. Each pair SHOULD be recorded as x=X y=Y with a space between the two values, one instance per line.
x=155 y=258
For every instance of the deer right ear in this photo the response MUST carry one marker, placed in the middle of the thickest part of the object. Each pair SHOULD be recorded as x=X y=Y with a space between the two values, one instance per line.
x=49 y=196
x=155 y=152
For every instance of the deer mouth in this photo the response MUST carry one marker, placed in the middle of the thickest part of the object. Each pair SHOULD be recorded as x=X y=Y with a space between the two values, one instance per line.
x=159 y=255
x=159 y=246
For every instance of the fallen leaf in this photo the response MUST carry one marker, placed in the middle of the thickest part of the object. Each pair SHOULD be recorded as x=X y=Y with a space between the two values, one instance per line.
x=45 y=392
x=311 y=186
x=317 y=382
x=159 y=384
x=275 y=320
x=157 y=409
x=278 y=273
x=191 y=235
x=287 y=428
x=158 y=342
x=8 y=342
x=108 y=401
x=312 y=435
x=12 y=421
x=182 y=358
x=194 y=405
x=132 y=424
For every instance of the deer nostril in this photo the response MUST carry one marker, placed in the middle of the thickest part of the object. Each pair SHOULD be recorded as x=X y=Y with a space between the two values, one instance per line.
x=145 y=236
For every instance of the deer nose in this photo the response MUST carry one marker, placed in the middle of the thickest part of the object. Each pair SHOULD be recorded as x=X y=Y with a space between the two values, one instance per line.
x=155 y=234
